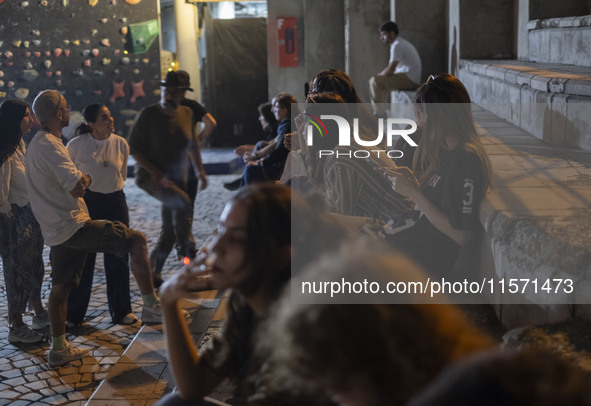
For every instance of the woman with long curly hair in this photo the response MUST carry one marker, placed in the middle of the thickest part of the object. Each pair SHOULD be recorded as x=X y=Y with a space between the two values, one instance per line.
x=265 y=234
x=21 y=242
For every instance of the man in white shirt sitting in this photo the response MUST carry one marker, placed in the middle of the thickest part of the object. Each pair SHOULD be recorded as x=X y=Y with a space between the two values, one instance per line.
x=403 y=71
x=55 y=189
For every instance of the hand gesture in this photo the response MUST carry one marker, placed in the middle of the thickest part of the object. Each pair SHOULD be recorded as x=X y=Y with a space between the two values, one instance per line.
x=403 y=181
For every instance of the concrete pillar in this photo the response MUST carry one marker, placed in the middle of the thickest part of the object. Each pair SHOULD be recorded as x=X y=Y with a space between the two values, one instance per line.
x=290 y=80
x=187 y=53
x=324 y=36
x=426 y=30
x=365 y=54
x=453 y=35
x=522 y=39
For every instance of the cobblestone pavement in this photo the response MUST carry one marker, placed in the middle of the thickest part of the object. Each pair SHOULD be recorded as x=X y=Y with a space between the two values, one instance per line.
x=25 y=377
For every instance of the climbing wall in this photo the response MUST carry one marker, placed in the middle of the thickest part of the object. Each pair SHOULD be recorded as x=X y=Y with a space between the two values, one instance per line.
x=93 y=51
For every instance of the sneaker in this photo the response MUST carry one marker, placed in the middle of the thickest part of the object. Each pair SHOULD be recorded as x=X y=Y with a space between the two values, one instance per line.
x=68 y=354
x=234 y=185
x=129 y=318
x=70 y=324
x=41 y=321
x=152 y=314
x=23 y=334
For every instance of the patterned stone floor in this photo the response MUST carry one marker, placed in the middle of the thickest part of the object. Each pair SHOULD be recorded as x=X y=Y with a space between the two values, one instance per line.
x=25 y=377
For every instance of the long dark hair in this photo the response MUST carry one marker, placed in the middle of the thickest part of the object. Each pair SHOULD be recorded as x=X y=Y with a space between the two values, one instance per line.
x=265 y=110
x=90 y=114
x=276 y=218
x=12 y=112
x=443 y=107
x=334 y=81
x=318 y=102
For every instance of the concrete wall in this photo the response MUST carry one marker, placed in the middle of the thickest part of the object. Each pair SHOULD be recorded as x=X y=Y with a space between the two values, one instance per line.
x=324 y=36
x=522 y=40
x=167 y=27
x=425 y=27
x=487 y=29
x=365 y=54
x=321 y=42
x=290 y=80
x=453 y=36
x=562 y=8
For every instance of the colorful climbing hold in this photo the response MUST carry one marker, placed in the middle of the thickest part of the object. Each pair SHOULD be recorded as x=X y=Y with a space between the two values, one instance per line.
x=21 y=93
x=137 y=91
x=118 y=92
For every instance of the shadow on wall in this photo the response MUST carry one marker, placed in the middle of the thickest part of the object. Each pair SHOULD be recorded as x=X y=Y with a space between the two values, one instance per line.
x=559 y=131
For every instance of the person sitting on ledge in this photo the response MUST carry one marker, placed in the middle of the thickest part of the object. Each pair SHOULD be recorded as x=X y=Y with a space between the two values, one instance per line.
x=266 y=165
x=450 y=176
x=249 y=152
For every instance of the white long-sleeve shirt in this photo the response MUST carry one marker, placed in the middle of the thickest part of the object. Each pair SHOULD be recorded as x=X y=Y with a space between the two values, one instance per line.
x=51 y=175
x=104 y=160
x=13 y=188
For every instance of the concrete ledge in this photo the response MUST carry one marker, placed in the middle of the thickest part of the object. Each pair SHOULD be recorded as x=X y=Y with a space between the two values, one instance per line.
x=561 y=40
x=142 y=375
x=550 y=101
x=536 y=221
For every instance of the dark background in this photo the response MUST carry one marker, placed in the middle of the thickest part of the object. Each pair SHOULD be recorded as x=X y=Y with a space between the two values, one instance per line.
x=235 y=78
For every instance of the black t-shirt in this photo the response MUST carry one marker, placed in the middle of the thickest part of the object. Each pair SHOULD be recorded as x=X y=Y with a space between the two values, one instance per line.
x=198 y=110
x=456 y=188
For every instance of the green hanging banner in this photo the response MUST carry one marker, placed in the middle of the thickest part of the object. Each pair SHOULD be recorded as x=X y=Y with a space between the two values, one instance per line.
x=143 y=35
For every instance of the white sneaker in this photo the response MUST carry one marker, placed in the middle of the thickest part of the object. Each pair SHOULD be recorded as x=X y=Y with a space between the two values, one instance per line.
x=70 y=324
x=23 y=334
x=68 y=354
x=41 y=321
x=129 y=319
x=152 y=314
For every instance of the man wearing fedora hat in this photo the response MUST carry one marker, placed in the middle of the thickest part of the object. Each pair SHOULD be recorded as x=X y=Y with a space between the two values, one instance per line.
x=164 y=143
x=199 y=115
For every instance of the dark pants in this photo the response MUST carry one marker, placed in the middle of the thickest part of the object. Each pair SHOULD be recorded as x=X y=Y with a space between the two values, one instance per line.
x=177 y=224
x=112 y=206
